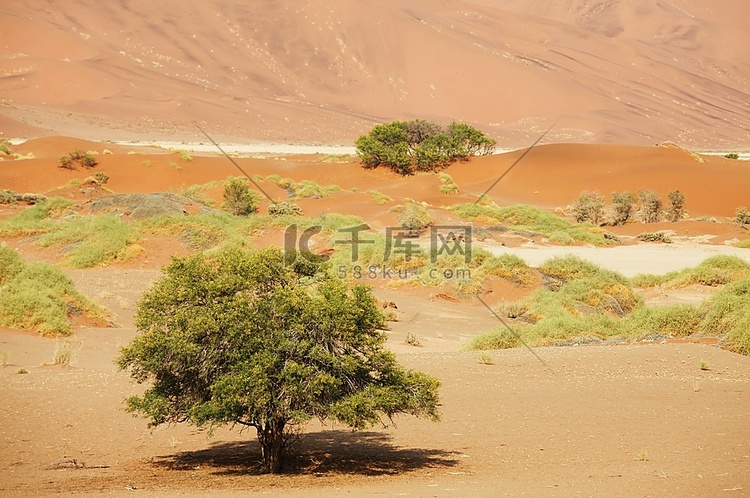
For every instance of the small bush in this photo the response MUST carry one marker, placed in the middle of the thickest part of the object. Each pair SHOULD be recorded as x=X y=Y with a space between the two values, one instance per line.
x=284 y=208
x=412 y=340
x=448 y=186
x=79 y=157
x=676 y=209
x=728 y=313
x=499 y=338
x=4 y=358
x=379 y=197
x=65 y=352
x=732 y=155
x=39 y=298
x=623 y=206
x=5 y=147
x=184 y=155
x=486 y=359
x=415 y=217
x=742 y=216
x=239 y=199
x=589 y=207
x=655 y=237
x=651 y=206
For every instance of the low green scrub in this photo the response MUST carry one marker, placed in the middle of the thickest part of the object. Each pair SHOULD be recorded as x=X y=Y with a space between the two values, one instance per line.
x=92 y=240
x=510 y=267
x=714 y=271
x=380 y=198
x=532 y=219
x=39 y=297
x=728 y=314
x=35 y=219
x=303 y=189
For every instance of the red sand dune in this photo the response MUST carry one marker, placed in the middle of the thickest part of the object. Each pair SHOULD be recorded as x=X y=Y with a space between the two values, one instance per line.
x=549 y=176
x=634 y=72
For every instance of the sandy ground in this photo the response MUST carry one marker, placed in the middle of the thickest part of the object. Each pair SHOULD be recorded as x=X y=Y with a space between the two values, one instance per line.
x=621 y=421
x=634 y=420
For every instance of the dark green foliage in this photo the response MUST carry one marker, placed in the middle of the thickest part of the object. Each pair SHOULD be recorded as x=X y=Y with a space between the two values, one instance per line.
x=623 y=206
x=728 y=313
x=239 y=199
x=410 y=146
x=732 y=155
x=676 y=209
x=655 y=237
x=240 y=338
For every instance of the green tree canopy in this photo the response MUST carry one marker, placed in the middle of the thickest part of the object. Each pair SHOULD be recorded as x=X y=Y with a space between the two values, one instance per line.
x=242 y=338
x=419 y=145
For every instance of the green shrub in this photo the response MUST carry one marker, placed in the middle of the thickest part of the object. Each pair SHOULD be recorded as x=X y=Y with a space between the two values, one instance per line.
x=676 y=209
x=11 y=264
x=651 y=206
x=5 y=147
x=284 y=208
x=8 y=197
x=509 y=267
x=35 y=219
x=239 y=199
x=728 y=313
x=570 y=267
x=589 y=207
x=79 y=157
x=448 y=186
x=40 y=298
x=419 y=145
x=499 y=338
x=732 y=155
x=677 y=320
x=414 y=217
x=379 y=197
x=742 y=216
x=623 y=206
x=91 y=240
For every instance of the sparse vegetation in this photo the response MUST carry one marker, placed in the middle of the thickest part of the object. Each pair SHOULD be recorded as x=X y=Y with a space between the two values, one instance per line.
x=704 y=365
x=379 y=198
x=4 y=358
x=5 y=147
x=676 y=209
x=589 y=207
x=485 y=359
x=39 y=297
x=651 y=206
x=732 y=155
x=525 y=218
x=714 y=271
x=412 y=340
x=183 y=154
x=407 y=147
x=623 y=207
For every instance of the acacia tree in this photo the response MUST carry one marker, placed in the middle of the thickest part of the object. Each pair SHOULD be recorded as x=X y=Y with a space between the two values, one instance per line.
x=419 y=145
x=242 y=338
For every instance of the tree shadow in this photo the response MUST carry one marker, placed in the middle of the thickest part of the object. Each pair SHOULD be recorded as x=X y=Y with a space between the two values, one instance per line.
x=322 y=453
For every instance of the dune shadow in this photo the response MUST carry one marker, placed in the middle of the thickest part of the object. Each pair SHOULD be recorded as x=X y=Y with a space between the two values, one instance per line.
x=323 y=453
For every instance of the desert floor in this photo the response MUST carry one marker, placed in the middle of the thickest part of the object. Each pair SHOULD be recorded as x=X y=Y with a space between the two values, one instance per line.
x=630 y=420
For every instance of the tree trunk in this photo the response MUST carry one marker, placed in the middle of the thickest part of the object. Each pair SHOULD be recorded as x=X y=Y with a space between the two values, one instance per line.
x=271 y=438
